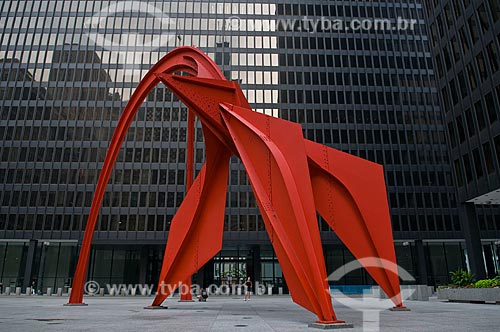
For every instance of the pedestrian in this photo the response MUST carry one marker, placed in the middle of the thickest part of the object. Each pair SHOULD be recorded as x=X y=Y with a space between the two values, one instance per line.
x=33 y=286
x=229 y=279
x=248 y=289
x=202 y=297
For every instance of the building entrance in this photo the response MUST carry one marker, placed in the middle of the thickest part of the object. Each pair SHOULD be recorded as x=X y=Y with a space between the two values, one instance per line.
x=233 y=264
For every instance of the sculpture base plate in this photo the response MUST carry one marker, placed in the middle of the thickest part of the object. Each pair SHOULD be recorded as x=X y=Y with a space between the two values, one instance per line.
x=185 y=301
x=331 y=326
x=155 y=307
x=75 y=304
x=400 y=309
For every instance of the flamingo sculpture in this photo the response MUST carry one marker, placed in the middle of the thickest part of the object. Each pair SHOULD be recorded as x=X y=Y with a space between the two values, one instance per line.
x=291 y=177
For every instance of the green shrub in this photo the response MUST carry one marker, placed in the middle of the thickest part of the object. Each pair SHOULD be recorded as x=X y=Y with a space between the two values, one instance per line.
x=462 y=278
x=486 y=283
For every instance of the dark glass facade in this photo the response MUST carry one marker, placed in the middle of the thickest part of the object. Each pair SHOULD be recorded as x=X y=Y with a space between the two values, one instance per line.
x=67 y=69
x=465 y=43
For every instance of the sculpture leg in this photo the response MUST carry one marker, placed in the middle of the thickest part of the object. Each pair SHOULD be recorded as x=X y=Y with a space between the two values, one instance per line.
x=189 y=182
x=350 y=195
x=196 y=231
x=114 y=148
x=185 y=59
x=274 y=156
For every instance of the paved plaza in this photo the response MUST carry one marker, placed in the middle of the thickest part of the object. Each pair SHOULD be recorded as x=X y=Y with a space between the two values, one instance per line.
x=262 y=314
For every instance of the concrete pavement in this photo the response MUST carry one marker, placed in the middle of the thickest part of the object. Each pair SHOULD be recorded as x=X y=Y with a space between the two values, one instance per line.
x=221 y=314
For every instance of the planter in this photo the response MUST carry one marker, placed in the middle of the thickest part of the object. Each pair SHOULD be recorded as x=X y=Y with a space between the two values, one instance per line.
x=472 y=295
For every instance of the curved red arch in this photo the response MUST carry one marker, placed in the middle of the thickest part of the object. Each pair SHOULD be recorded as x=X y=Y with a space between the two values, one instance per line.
x=183 y=59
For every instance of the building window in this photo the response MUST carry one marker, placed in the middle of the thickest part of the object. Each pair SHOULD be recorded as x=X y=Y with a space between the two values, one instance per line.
x=483 y=73
x=473 y=29
x=478 y=107
x=449 y=16
x=462 y=85
x=483 y=18
x=493 y=56
x=461 y=130
x=469 y=117
x=468 y=168
x=488 y=158
x=477 y=163
x=472 y=77
x=497 y=148
x=491 y=107
x=453 y=137
x=457 y=8
x=465 y=41
x=495 y=9
x=456 y=49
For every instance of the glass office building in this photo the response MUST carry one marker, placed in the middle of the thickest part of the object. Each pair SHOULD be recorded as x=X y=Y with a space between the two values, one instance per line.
x=68 y=68
x=465 y=43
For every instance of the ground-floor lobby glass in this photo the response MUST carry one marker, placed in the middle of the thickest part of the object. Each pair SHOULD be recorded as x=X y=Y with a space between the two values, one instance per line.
x=53 y=263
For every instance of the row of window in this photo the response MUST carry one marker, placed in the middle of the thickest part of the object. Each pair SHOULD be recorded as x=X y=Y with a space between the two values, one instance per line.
x=484 y=16
x=375 y=62
x=87 y=110
x=359 y=116
x=426 y=223
x=182 y=7
x=239 y=199
x=458 y=88
x=232 y=223
x=84 y=199
x=487 y=222
x=127 y=222
x=77 y=223
x=177 y=156
x=299 y=96
x=479 y=163
x=385 y=9
x=357 y=137
x=89 y=176
x=488 y=218
x=352 y=79
x=451 y=54
x=239 y=223
x=76 y=154
x=420 y=200
x=390 y=8
x=136 y=133
x=373 y=44
x=473 y=120
x=53 y=175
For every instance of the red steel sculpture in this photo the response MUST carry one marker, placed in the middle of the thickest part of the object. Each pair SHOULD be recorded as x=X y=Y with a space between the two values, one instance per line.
x=291 y=177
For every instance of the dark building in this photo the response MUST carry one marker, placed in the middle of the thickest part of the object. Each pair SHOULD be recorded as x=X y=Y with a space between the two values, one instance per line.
x=466 y=43
x=370 y=92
